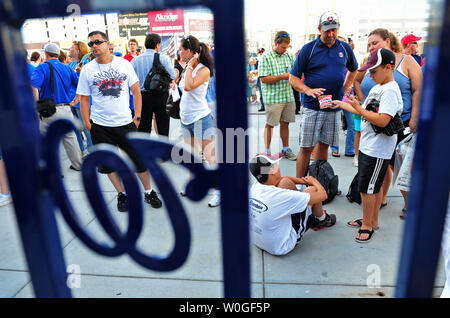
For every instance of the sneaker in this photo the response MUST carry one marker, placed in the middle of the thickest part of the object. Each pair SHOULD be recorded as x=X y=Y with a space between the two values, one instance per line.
x=215 y=200
x=288 y=154
x=262 y=109
x=73 y=168
x=152 y=199
x=5 y=199
x=122 y=202
x=355 y=161
x=330 y=220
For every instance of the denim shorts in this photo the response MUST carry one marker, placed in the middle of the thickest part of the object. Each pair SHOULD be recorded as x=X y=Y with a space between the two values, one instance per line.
x=201 y=129
x=357 y=124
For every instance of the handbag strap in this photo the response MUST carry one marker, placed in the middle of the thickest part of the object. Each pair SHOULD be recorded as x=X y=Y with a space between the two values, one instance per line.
x=52 y=80
x=156 y=61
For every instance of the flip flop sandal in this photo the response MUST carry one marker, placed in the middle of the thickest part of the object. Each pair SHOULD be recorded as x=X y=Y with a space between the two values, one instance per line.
x=365 y=232
x=335 y=154
x=383 y=205
x=359 y=222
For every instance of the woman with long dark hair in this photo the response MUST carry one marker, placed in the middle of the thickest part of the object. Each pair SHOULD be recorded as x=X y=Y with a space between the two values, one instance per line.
x=196 y=120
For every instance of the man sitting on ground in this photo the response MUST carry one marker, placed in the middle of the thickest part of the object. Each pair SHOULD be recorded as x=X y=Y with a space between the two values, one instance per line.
x=280 y=214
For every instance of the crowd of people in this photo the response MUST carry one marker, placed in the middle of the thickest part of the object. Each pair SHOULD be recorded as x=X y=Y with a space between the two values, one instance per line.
x=329 y=79
x=379 y=98
x=107 y=92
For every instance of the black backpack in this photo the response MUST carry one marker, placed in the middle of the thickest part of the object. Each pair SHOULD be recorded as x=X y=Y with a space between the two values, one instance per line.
x=158 y=79
x=324 y=173
x=353 y=194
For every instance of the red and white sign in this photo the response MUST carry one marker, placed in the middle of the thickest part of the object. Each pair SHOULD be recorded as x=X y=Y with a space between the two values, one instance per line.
x=166 y=21
x=201 y=25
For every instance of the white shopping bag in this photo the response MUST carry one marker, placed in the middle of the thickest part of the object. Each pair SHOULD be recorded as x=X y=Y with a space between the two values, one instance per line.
x=404 y=154
x=175 y=93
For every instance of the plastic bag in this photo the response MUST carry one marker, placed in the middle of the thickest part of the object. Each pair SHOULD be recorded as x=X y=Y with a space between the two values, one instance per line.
x=404 y=154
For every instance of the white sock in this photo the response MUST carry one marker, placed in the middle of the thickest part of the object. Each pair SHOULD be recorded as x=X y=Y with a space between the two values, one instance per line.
x=322 y=217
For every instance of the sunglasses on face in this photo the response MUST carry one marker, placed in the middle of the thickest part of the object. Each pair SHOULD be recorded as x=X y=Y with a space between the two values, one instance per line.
x=96 y=42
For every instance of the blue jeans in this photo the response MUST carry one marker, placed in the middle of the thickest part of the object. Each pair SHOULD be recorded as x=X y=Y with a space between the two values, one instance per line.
x=258 y=83
x=350 y=140
x=77 y=114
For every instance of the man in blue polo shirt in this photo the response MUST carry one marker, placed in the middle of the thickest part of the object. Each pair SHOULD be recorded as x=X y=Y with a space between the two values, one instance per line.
x=65 y=84
x=322 y=62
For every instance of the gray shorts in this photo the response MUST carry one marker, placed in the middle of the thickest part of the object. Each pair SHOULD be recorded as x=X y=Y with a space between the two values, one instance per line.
x=319 y=126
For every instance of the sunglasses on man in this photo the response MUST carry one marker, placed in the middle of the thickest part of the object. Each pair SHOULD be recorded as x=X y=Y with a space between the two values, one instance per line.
x=96 y=42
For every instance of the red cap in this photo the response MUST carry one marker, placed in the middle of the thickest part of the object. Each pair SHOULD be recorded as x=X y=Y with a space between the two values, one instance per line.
x=410 y=38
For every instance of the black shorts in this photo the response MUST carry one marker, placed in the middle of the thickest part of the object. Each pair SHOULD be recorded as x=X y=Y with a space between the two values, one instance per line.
x=298 y=219
x=400 y=137
x=371 y=173
x=116 y=136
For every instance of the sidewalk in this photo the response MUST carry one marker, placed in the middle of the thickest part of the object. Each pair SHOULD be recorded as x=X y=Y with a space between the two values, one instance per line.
x=326 y=263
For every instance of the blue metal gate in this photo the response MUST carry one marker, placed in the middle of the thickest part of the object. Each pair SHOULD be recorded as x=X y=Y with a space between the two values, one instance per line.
x=34 y=174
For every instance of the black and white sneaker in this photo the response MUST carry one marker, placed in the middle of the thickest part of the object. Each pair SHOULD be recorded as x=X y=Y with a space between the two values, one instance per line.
x=152 y=199
x=330 y=220
x=122 y=202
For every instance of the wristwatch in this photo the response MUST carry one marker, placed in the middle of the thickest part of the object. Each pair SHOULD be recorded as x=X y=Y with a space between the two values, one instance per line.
x=137 y=118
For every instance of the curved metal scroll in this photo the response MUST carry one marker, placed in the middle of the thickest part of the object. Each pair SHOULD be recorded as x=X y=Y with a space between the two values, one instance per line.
x=150 y=151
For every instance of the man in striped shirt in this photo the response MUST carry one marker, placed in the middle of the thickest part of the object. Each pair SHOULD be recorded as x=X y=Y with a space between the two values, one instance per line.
x=277 y=92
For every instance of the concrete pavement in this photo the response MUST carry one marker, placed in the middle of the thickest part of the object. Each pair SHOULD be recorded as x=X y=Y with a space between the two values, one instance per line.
x=327 y=263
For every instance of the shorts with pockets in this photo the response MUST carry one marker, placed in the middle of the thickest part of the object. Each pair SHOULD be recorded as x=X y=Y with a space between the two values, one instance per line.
x=298 y=219
x=276 y=113
x=319 y=126
x=116 y=136
x=371 y=173
x=201 y=129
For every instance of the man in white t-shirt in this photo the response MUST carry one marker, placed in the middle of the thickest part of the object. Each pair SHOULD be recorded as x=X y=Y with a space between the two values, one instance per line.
x=107 y=80
x=382 y=104
x=280 y=214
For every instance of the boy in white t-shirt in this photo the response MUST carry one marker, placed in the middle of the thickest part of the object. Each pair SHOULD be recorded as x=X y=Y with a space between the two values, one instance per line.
x=381 y=105
x=107 y=80
x=279 y=213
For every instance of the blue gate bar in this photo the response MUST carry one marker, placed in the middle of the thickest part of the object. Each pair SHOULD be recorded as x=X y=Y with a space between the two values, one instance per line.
x=232 y=113
x=429 y=194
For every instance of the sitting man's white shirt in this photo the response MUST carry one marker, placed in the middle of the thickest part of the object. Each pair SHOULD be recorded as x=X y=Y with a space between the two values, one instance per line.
x=270 y=213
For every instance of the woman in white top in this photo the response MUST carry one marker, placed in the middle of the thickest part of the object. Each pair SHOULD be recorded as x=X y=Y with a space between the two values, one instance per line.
x=196 y=119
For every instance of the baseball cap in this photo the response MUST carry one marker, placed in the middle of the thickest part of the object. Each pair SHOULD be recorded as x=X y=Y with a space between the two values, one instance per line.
x=377 y=58
x=51 y=48
x=260 y=165
x=329 y=20
x=410 y=38
x=118 y=51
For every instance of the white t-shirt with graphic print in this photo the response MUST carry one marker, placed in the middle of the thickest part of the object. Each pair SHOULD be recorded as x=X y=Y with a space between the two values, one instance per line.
x=108 y=85
x=270 y=211
x=390 y=102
